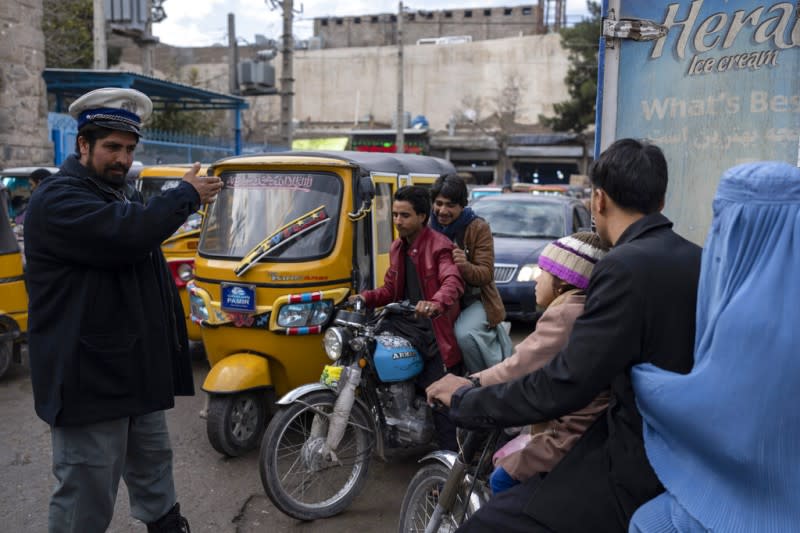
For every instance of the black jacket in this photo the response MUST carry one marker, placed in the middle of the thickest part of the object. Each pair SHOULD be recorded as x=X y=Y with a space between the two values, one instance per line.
x=640 y=307
x=106 y=332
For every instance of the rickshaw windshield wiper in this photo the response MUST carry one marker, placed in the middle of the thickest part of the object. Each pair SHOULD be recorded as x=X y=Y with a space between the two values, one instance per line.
x=282 y=236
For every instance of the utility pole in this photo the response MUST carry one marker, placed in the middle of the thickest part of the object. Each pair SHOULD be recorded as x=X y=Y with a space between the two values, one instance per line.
x=400 y=142
x=99 y=28
x=147 y=42
x=287 y=75
x=233 y=56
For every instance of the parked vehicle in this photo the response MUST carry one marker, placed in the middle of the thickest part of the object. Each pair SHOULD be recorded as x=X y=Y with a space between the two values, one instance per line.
x=522 y=225
x=13 y=296
x=449 y=487
x=180 y=248
x=316 y=450
x=290 y=236
x=476 y=193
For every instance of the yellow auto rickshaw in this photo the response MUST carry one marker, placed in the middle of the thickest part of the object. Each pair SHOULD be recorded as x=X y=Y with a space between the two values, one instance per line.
x=179 y=249
x=13 y=296
x=290 y=235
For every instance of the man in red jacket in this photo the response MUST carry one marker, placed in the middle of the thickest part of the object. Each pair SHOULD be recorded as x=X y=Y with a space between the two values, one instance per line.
x=422 y=271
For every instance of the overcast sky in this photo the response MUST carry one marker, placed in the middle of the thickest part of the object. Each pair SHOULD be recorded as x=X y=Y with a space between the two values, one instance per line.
x=205 y=22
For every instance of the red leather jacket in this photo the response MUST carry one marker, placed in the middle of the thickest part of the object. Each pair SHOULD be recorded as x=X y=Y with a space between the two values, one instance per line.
x=440 y=281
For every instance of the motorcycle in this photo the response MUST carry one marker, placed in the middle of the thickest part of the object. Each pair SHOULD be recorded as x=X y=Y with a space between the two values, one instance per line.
x=450 y=487
x=316 y=451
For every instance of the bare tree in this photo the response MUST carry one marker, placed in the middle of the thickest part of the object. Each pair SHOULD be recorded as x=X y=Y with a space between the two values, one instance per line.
x=501 y=121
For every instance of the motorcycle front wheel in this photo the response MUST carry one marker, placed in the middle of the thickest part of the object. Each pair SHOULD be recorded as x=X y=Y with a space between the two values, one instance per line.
x=421 y=498
x=296 y=478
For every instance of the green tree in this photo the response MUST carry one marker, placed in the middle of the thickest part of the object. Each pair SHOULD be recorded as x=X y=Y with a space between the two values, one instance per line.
x=582 y=41
x=67 y=30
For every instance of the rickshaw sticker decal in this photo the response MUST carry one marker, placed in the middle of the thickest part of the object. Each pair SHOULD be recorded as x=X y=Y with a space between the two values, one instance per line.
x=242 y=320
x=302 y=182
x=305 y=297
x=305 y=330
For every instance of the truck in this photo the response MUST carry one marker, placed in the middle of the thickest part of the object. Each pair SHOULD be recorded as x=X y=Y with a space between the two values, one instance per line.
x=713 y=83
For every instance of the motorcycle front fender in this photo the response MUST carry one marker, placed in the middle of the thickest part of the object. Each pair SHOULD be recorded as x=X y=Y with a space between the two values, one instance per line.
x=446 y=457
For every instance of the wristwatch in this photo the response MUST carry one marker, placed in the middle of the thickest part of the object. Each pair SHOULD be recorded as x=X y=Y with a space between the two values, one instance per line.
x=476 y=381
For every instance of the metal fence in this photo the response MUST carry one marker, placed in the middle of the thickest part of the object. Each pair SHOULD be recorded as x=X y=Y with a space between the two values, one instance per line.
x=155 y=147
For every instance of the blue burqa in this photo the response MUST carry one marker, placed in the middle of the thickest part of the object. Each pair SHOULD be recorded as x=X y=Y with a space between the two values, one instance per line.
x=725 y=438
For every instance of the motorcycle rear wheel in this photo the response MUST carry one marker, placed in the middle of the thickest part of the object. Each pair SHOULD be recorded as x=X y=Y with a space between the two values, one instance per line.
x=421 y=498
x=297 y=487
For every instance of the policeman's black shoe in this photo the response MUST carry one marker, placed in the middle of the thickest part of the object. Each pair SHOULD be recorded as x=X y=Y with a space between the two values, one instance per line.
x=172 y=522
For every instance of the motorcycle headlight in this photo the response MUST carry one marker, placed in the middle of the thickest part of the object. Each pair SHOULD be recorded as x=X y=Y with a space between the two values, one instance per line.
x=334 y=341
x=528 y=273
x=305 y=314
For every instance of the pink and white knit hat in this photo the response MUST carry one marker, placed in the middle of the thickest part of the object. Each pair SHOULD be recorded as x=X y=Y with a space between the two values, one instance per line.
x=573 y=257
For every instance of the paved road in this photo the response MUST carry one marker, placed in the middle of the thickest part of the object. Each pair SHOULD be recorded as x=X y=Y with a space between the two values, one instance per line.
x=217 y=494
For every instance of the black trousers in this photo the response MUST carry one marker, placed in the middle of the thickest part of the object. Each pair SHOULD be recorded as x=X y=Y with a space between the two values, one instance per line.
x=504 y=512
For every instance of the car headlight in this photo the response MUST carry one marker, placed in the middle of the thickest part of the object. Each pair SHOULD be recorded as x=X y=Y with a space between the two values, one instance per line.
x=528 y=273
x=334 y=341
x=305 y=314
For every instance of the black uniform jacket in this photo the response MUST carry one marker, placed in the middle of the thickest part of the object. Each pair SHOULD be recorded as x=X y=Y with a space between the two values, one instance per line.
x=640 y=307
x=107 y=338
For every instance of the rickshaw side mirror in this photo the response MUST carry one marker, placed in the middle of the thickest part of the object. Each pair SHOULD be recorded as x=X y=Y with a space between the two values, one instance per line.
x=366 y=189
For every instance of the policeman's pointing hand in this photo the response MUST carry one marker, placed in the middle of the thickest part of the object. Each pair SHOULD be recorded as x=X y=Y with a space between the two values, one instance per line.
x=206 y=187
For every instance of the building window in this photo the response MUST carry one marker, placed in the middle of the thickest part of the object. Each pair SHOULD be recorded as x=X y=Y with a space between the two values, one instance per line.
x=393 y=18
x=527 y=10
x=429 y=15
x=508 y=11
x=374 y=19
x=324 y=22
x=339 y=22
x=468 y=14
x=448 y=14
x=357 y=20
x=487 y=12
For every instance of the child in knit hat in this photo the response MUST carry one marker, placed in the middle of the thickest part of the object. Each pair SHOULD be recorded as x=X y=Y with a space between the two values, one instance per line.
x=566 y=266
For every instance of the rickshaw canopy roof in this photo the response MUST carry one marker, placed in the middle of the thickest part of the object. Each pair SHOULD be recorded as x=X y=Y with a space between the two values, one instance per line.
x=401 y=164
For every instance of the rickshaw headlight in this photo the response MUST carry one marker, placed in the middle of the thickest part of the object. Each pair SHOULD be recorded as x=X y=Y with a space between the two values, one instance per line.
x=305 y=314
x=334 y=341
x=198 y=308
x=185 y=271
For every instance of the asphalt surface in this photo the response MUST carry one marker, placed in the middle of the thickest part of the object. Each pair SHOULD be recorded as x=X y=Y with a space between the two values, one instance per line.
x=216 y=493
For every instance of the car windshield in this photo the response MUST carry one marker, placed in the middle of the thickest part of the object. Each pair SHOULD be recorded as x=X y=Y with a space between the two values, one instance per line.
x=253 y=205
x=151 y=187
x=525 y=219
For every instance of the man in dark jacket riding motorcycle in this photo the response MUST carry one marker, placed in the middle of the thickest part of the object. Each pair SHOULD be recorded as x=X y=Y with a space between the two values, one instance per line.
x=640 y=308
x=107 y=340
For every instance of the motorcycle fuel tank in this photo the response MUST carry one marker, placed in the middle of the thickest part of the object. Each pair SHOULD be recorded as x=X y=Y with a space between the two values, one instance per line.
x=396 y=359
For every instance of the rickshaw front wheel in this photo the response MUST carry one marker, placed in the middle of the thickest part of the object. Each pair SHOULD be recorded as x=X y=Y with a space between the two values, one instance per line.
x=236 y=422
x=6 y=353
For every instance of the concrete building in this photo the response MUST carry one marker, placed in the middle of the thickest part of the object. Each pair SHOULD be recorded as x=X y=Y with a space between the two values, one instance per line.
x=24 y=137
x=478 y=24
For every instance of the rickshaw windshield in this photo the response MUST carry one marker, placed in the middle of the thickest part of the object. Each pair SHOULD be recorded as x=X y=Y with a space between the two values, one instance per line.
x=8 y=242
x=253 y=205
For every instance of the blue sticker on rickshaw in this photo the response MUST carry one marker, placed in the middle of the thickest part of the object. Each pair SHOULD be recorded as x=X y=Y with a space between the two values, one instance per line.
x=238 y=298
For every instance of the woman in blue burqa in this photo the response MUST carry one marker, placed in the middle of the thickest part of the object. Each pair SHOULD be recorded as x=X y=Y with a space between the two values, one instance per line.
x=724 y=439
